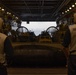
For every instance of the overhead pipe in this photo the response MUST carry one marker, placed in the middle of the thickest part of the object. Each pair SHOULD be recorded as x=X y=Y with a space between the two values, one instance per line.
x=42 y=7
x=65 y=2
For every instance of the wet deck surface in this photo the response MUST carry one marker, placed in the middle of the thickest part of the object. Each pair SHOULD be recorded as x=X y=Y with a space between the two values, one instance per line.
x=37 y=71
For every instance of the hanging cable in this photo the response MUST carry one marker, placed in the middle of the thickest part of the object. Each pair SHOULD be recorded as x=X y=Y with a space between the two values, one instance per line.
x=42 y=6
x=27 y=6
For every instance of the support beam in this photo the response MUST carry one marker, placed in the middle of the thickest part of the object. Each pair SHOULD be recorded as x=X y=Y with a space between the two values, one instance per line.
x=65 y=2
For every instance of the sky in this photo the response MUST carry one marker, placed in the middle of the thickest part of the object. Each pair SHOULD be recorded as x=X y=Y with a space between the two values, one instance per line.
x=37 y=27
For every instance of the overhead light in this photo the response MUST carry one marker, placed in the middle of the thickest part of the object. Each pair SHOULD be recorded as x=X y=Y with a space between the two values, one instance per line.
x=70 y=8
x=62 y=12
x=2 y=9
x=73 y=5
x=67 y=9
x=7 y=12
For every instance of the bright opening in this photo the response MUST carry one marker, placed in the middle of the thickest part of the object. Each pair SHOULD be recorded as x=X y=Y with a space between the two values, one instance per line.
x=38 y=27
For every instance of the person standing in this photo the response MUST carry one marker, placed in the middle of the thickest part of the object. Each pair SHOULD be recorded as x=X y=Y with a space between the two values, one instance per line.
x=6 y=51
x=69 y=47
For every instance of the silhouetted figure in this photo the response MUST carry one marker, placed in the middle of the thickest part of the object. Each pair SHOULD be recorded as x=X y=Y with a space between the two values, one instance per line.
x=69 y=44
x=6 y=51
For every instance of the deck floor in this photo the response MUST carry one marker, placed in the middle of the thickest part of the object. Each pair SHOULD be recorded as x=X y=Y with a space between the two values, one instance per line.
x=37 y=71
